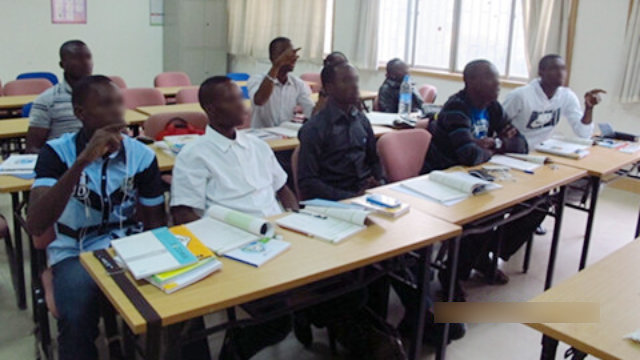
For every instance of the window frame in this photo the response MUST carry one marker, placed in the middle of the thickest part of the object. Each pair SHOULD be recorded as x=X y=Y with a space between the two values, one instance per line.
x=451 y=72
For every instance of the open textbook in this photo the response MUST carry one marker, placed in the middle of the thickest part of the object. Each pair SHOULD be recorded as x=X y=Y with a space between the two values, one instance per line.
x=287 y=129
x=446 y=187
x=571 y=147
x=522 y=162
x=222 y=229
x=327 y=223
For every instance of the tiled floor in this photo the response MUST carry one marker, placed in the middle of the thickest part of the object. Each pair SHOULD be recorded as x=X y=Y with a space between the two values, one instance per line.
x=615 y=222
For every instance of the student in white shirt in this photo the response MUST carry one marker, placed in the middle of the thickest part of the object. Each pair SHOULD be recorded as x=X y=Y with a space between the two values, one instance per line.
x=536 y=108
x=236 y=170
x=275 y=95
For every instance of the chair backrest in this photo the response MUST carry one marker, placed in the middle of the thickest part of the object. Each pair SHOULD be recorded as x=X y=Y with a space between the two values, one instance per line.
x=402 y=153
x=314 y=79
x=428 y=93
x=26 y=109
x=26 y=87
x=294 y=171
x=118 y=81
x=187 y=96
x=238 y=76
x=156 y=123
x=39 y=75
x=172 y=78
x=1 y=88
x=136 y=97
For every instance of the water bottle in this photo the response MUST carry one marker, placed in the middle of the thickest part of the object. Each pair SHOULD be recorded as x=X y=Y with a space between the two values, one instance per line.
x=404 y=103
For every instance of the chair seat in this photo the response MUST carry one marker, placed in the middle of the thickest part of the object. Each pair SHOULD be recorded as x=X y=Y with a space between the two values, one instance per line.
x=47 y=285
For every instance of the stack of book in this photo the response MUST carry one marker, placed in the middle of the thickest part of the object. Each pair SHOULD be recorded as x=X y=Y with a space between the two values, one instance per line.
x=22 y=166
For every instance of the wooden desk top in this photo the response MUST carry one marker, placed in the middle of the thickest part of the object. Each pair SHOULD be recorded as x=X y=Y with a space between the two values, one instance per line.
x=601 y=161
x=163 y=109
x=15 y=102
x=612 y=282
x=169 y=91
x=307 y=260
x=473 y=208
x=13 y=128
x=133 y=117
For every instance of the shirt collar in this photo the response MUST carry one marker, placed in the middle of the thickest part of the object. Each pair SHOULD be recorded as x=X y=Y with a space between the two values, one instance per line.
x=222 y=142
x=335 y=113
x=289 y=81
x=393 y=83
x=65 y=85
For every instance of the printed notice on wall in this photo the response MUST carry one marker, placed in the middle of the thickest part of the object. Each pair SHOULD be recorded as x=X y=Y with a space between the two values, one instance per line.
x=156 y=11
x=69 y=11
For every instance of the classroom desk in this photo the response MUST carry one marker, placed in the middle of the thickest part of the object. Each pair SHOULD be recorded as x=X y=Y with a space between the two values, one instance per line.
x=307 y=261
x=15 y=102
x=171 y=91
x=612 y=282
x=481 y=213
x=600 y=162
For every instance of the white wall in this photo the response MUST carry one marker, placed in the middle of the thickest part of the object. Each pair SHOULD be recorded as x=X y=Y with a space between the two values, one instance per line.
x=117 y=31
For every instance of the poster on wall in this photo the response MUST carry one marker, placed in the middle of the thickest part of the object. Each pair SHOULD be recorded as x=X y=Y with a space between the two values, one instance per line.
x=156 y=12
x=69 y=11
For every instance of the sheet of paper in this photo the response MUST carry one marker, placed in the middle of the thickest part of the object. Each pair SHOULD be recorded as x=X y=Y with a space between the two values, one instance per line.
x=381 y=119
x=326 y=228
x=219 y=236
x=517 y=164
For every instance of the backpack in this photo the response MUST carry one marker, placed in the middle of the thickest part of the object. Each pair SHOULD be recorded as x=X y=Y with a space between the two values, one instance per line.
x=178 y=126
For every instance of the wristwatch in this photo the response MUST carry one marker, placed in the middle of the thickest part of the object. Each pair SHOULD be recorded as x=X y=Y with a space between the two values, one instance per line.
x=273 y=80
x=498 y=143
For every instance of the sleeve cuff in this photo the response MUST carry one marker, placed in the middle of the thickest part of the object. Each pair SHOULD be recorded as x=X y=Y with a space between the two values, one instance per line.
x=155 y=201
x=48 y=182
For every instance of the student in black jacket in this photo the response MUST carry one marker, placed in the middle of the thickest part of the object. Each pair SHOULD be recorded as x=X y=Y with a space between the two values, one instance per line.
x=470 y=128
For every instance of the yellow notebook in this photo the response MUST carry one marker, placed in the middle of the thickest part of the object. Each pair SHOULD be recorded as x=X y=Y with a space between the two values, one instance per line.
x=192 y=243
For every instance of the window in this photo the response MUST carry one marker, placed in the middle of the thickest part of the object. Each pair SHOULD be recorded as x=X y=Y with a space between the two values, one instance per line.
x=328 y=27
x=444 y=35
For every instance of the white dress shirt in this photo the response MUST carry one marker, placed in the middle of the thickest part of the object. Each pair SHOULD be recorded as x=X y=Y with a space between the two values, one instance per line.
x=282 y=102
x=535 y=115
x=241 y=174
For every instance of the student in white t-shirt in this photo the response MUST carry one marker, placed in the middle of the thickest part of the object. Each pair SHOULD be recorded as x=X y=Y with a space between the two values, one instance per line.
x=536 y=108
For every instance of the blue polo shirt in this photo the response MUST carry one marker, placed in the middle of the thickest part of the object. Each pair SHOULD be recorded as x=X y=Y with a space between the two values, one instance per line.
x=102 y=205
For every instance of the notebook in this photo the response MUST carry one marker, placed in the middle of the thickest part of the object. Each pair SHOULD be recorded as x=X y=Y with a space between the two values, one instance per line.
x=152 y=252
x=222 y=229
x=515 y=163
x=382 y=119
x=563 y=148
x=381 y=210
x=175 y=143
x=259 y=252
x=22 y=166
x=325 y=223
x=447 y=187
x=287 y=129
x=175 y=280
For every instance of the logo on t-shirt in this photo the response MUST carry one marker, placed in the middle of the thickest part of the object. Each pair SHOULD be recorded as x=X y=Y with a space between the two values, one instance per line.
x=541 y=119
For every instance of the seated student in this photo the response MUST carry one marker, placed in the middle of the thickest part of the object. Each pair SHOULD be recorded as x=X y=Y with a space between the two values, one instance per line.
x=235 y=170
x=389 y=92
x=334 y=58
x=535 y=109
x=470 y=128
x=338 y=157
x=71 y=195
x=275 y=95
x=52 y=113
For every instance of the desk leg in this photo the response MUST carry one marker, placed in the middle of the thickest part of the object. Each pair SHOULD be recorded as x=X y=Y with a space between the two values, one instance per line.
x=559 y=211
x=595 y=188
x=154 y=342
x=424 y=274
x=19 y=256
x=452 y=265
x=637 y=227
x=549 y=346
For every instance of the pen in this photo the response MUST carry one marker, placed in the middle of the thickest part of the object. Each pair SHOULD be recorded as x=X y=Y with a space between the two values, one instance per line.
x=310 y=214
x=296 y=231
x=528 y=172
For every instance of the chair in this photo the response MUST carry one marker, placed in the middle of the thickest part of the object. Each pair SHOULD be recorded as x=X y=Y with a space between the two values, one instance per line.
x=0 y=87
x=26 y=109
x=156 y=123
x=402 y=153
x=39 y=75
x=314 y=79
x=422 y=124
x=118 y=81
x=136 y=97
x=238 y=76
x=428 y=93
x=26 y=87
x=294 y=171
x=172 y=78
x=187 y=96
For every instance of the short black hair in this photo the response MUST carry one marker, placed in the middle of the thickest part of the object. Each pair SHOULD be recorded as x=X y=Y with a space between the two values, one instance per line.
x=330 y=61
x=206 y=89
x=546 y=60
x=470 y=70
x=84 y=86
x=328 y=73
x=275 y=42
x=67 y=47
x=391 y=63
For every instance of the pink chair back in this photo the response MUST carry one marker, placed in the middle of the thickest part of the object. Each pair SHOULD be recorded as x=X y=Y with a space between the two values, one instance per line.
x=402 y=153
x=428 y=93
x=118 y=81
x=313 y=78
x=0 y=87
x=156 y=123
x=172 y=78
x=187 y=96
x=26 y=87
x=294 y=171
x=136 y=97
